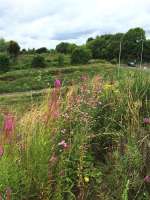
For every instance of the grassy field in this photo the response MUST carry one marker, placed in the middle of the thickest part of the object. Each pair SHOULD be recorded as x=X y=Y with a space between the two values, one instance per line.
x=85 y=140
x=37 y=79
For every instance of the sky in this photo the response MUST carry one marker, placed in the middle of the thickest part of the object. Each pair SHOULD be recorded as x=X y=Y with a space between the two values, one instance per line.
x=38 y=23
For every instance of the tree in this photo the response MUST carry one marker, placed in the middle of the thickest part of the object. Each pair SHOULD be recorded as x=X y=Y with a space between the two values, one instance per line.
x=80 y=55
x=62 y=47
x=38 y=62
x=65 y=47
x=4 y=62
x=132 y=43
x=96 y=46
x=71 y=48
x=42 y=50
x=89 y=39
x=112 y=48
x=13 y=48
x=146 y=52
x=3 y=45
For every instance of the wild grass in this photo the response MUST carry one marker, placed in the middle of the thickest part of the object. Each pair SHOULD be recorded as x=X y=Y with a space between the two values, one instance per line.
x=87 y=141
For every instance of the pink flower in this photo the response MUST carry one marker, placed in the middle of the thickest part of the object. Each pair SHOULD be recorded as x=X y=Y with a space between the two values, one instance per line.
x=9 y=124
x=146 y=121
x=147 y=179
x=1 y=150
x=57 y=83
x=63 y=144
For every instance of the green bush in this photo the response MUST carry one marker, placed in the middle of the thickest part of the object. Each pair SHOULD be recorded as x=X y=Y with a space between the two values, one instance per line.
x=4 y=62
x=80 y=55
x=114 y=61
x=38 y=62
x=13 y=49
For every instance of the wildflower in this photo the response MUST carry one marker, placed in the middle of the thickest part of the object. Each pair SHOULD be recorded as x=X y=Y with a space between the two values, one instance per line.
x=147 y=179
x=108 y=87
x=63 y=144
x=116 y=91
x=86 y=179
x=1 y=150
x=9 y=124
x=57 y=83
x=84 y=78
x=146 y=121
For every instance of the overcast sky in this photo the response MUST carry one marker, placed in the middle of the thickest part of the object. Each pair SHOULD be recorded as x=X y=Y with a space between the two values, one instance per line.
x=36 y=23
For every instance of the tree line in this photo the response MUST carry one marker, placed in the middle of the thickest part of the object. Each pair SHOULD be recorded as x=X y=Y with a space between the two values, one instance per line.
x=130 y=45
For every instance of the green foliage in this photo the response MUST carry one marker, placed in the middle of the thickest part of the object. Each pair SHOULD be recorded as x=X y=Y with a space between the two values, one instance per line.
x=42 y=50
x=4 y=62
x=132 y=43
x=80 y=55
x=13 y=48
x=3 y=45
x=62 y=47
x=65 y=48
x=61 y=60
x=114 y=61
x=38 y=62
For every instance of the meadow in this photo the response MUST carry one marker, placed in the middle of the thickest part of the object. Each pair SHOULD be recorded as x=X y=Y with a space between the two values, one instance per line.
x=84 y=138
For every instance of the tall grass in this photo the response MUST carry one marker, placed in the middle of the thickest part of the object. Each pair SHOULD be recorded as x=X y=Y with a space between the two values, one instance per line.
x=85 y=142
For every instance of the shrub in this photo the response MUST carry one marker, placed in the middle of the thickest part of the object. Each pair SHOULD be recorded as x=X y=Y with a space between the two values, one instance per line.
x=13 y=48
x=4 y=62
x=80 y=55
x=38 y=61
x=42 y=50
x=114 y=61
x=62 y=47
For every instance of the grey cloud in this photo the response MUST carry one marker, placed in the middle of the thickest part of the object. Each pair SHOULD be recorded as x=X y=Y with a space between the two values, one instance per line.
x=72 y=35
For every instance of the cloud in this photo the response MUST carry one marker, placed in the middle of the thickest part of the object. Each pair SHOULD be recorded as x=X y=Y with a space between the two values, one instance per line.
x=39 y=23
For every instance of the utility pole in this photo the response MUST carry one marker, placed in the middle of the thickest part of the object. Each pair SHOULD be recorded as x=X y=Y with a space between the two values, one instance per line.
x=142 y=48
x=120 y=50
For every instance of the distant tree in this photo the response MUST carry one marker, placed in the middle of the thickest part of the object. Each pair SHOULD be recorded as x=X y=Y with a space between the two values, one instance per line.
x=4 y=62
x=89 y=39
x=80 y=55
x=71 y=48
x=23 y=51
x=63 y=47
x=42 y=50
x=112 y=48
x=13 y=48
x=96 y=46
x=146 y=52
x=31 y=51
x=52 y=51
x=38 y=62
x=3 y=45
x=132 y=43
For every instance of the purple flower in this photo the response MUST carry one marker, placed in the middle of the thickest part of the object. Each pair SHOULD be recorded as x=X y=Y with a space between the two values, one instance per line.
x=147 y=179
x=146 y=121
x=9 y=124
x=57 y=83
